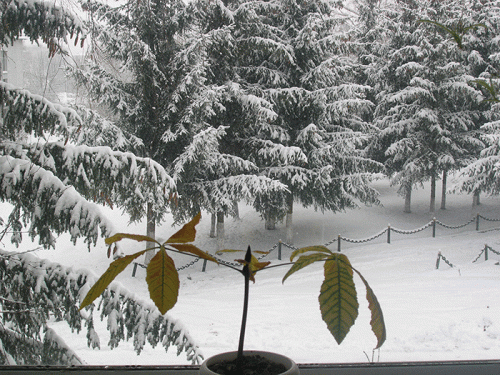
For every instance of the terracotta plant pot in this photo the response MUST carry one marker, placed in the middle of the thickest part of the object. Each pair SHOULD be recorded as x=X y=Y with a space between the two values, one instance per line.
x=291 y=366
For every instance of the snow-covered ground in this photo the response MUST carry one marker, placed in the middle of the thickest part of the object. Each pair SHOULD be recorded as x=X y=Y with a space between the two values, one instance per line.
x=444 y=314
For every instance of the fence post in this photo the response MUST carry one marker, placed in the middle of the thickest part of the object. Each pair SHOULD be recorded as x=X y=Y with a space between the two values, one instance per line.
x=338 y=243
x=135 y=269
x=486 y=252
x=438 y=259
x=279 y=250
x=204 y=265
x=389 y=233
x=477 y=222
x=434 y=227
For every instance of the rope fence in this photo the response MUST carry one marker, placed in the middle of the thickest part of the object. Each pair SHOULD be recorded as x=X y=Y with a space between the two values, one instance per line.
x=486 y=251
x=431 y=224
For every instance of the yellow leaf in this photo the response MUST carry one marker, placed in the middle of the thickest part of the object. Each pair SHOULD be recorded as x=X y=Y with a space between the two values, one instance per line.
x=261 y=252
x=228 y=251
x=304 y=261
x=254 y=266
x=188 y=248
x=241 y=251
x=187 y=233
x=120 y=236
x=163 y=281
x=107 y=277
x=302 y=250
x=377 y=318
x=338 y=299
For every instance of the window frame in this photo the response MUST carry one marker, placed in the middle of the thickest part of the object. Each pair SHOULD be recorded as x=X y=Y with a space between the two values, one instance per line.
x=478 y=367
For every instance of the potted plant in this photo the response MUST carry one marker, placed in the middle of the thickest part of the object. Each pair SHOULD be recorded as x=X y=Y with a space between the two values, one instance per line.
x=337 y=299
x=254 y=362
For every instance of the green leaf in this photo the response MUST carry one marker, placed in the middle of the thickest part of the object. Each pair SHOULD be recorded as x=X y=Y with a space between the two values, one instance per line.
x=338 y=299
x=491 y=89
x=120 y=236
x=377 y=318
x=163 y=281
x=453 y=33
x=475 y=26
x=304 y=261
x=107 y=277
x=187 y=233
x=302 y=250
x=188 y=248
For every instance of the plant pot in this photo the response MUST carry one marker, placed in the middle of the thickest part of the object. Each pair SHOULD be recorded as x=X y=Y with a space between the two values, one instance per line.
x=290 y=366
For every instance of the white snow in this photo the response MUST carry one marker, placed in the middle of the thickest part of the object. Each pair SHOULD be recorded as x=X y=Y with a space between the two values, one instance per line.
x=448 y=313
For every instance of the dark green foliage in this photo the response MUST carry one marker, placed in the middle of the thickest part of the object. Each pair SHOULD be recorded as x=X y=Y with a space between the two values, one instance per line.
x=39 y=116
x=143 y=84
x=38 y=20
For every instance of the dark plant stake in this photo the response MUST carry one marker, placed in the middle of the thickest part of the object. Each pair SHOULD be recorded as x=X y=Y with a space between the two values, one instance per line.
x=246 y=275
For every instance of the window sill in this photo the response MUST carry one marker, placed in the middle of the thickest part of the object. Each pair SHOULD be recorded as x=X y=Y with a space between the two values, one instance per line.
x=390 y=368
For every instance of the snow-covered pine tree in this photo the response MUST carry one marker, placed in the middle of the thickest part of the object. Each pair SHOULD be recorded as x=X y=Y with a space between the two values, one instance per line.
x=428 y=113
x=291 y=55
x=223 y=109
x=484 y=45
x=370 y=35
x=211 y=180
x=463 y=109
x=133 y=72
x=35 y=292
x=54 y=186
x=25 y=18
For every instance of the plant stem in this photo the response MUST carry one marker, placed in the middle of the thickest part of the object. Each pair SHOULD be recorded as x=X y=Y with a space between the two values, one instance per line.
x=246 y=275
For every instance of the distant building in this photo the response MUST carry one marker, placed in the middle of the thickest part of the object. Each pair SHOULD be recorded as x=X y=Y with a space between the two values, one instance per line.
x=12 y=63
x=27 y=65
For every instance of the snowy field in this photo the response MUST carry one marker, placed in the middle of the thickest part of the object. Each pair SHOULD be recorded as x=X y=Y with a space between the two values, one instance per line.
x=444 y=314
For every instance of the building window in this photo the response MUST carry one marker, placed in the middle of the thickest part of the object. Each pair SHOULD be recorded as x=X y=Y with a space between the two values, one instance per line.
x=3 y=66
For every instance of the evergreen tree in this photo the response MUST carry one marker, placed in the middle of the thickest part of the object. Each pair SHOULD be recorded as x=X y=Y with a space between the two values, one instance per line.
x=172 y=86
x=54 y=182
x=428 y=113
x=224 y=104
x=481 y=175
x=298 y=114
x=131 y=71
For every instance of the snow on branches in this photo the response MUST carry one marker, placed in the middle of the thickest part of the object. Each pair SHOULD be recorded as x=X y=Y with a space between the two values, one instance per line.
x=62 y=179
x=39 y=20
x=50 y=205
x=27 y=113
x=47 y=292
x=51 y=183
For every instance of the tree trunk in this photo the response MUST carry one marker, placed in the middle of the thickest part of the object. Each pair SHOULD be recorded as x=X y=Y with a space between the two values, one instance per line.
x=270 y=223
x=220 y=230
x=289 y=219
x=433 y=193
x=213 y=222
x=443 y=191
x=236 y=210
x=150 y=232
x=408 y=197
x=475 y=199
